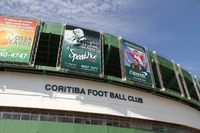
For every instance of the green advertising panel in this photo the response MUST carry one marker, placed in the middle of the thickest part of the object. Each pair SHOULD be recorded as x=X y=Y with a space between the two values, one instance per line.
x=135 y=63
x=16 y=39
x=81 y=51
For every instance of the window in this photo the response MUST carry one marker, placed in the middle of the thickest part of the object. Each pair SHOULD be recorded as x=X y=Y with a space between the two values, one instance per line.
x=16 y=116
x=69 y=119
x=6 y=115
x=87 y=121
x=78 y=120
x=109 y=123
x=44 y=117
x=60 y=119
x=34 y=117
x=98 y=120
x=52 y=118
x=1 y=113
x=25 y=116
x=116 y=124
x=94 y=122
x=124 y=124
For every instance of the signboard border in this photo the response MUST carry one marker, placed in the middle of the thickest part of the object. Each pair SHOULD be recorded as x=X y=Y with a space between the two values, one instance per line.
x=101 y=73
x=33 y=48
x=123 y=69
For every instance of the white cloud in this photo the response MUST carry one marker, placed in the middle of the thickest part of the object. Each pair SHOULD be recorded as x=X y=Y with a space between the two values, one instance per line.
x=97 y=14
x=105 y=15
x=67 y=7
x=127 y=18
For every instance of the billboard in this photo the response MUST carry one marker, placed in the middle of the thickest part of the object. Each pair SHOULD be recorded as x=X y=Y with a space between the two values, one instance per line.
x=135 y=63
x=81 y=51
x=16 y=39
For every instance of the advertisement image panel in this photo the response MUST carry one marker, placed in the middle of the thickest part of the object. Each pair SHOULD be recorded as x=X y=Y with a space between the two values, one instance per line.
x=16 y=39
x=81 y=51
x=136 y=63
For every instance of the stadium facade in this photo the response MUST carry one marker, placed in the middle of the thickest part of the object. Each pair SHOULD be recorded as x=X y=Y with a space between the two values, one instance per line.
x=61 y=78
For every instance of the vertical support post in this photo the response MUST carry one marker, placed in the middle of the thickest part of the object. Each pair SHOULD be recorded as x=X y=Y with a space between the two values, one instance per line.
x=196 y=87
x=60 y=48
x=178 y=79
x=152 y=73
x=158 y=71
x=102 y=55
x=184 y=83
x=108 y=54
x=198 y=84
x=36 y=42
x=121 y=59
x=48 y=48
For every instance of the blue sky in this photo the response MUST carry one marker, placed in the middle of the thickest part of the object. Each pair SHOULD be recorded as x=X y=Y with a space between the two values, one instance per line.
x=170 y=27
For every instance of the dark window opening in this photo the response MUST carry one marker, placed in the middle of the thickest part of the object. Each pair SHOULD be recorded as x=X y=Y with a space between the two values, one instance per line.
x=181 y=80
x=112 y=61
x=169 y=79
x=155 y=74
x=191 y=89
x=47 y=51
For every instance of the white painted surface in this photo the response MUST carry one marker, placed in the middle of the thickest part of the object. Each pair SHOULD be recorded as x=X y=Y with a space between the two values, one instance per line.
x=28 y=90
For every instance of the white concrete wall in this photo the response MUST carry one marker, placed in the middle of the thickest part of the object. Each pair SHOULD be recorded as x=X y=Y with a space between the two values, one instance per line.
x=28 y=90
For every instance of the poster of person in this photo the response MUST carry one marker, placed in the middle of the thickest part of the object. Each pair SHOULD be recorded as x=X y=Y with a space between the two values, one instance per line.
x=16 y=39
x=136 y=63
x=81 y=51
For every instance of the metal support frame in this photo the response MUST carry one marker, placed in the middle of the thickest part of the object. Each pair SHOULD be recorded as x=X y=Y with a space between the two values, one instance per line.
x=35 y=47
x=178 y=79
x=60 y=48
x=197 y=86
x=121 y=59
x=152 y=73
x=184 y=83
x=102 y=55
x=108 y=49
x=158 y=72
x=48 y=48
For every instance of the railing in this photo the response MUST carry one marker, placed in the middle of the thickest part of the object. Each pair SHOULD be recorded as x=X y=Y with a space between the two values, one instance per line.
x=105 y=120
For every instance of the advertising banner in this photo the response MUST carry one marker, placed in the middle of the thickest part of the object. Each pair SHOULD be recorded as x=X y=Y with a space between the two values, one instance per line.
x=16 y=39
x=81 y=51
x=135 y=63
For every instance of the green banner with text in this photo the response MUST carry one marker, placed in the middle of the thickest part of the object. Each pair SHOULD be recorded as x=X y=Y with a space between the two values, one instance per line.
x=136 y=63
x=16 y=39
x=81 y=51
